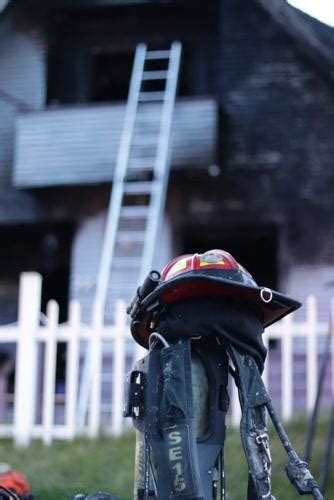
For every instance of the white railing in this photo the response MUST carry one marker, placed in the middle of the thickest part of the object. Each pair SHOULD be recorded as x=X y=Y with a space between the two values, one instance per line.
x=36 y=402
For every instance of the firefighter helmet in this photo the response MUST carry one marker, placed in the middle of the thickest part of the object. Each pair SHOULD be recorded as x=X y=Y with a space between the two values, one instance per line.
x=213 y=273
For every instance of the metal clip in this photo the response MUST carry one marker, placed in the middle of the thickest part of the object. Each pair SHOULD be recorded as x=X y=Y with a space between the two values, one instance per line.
x=263 y=441
x=135 y=404
x=266 y=295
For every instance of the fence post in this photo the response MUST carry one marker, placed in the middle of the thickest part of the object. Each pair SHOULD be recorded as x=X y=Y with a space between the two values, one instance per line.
x=118 y=368
x=72 y=369
x=331 y=326
x=26 y=357
x=235 y=404
x=311 y=353
x=286 y=368
x=49 y=386
x=96 y=364
x=265 y=374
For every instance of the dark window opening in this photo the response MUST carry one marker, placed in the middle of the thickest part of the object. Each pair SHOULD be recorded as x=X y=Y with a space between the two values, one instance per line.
x=102 y=76
x=110 y=77
x=44 y=249
x=110 y=74
x=254 y=247
x=41 y=248
x=91 y=50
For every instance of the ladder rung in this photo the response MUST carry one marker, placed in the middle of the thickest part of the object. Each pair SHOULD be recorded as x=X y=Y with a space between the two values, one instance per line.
x=151 y=96
x=155 y=75
x=157 y=54
x=135 y=211
x=131 y=236
x=139 y=187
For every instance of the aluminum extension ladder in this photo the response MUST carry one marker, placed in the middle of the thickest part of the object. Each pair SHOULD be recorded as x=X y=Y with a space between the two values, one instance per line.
x=139 y=186
x=141 y=175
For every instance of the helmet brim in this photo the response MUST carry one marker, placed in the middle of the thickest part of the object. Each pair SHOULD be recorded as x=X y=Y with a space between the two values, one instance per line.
x=270 y=304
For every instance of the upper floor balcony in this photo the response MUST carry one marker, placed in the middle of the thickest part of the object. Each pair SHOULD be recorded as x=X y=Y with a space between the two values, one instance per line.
x=72 y=145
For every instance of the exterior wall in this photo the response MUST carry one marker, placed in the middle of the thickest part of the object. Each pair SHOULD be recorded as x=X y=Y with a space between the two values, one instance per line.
x=317 y=279
x=276 y=149
x=22 y=87
x=278 y=116
x=87 y=247
x=275 y=146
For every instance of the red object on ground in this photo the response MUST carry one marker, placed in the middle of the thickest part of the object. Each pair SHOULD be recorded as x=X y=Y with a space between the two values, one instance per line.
x=15 y=481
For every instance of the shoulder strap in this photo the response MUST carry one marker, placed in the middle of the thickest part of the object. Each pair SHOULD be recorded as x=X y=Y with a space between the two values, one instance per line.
x=255 y=401
x=254 y=434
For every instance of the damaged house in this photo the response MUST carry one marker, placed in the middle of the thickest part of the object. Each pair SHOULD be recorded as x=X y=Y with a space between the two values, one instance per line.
x=252 y=152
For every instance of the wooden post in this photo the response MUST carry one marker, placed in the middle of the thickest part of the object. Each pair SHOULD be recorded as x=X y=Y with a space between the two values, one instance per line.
x=26 y=357
x=311 y=353
x=49 y=386
x=118 y=368
x=96 y=362
x=235 y=403
x=72 y=369
x=265 y=374
x=287 y=368
x=331 y=326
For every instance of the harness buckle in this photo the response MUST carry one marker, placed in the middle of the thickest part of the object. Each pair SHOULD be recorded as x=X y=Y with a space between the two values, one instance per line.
x=135 y=404
x=263 y=441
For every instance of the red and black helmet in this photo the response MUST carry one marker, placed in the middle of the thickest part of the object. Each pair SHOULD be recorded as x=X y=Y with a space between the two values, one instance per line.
x=213 y=273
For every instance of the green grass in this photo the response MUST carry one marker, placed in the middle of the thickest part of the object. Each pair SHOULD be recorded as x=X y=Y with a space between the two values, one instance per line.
x=84 y=465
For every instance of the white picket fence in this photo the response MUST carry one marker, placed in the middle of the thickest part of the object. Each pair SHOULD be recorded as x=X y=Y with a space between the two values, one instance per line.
x=35 y=373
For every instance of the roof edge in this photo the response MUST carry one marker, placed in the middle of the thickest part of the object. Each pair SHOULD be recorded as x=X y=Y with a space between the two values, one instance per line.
x=3 y=5
x=294 y=22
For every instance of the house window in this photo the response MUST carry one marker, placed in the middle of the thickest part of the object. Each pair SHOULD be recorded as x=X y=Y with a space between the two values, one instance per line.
x=110 y=76
x=79 y=74
x=47 y=251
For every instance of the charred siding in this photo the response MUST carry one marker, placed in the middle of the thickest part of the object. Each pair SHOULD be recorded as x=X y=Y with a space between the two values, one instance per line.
x=22 y=87
x=277 y=119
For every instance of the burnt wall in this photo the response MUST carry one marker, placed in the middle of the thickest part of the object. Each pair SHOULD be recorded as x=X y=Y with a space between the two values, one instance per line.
x=277 y=116
x=89 y=47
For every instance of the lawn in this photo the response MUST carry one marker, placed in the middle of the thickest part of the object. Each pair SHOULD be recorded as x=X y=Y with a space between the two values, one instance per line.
x=65 y=468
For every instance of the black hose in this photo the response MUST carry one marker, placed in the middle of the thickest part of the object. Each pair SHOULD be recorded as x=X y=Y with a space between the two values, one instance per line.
x=296 y=470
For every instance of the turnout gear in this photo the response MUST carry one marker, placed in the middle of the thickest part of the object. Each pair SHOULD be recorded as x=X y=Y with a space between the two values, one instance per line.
x=180 y=422
x=213 y=273
x=204 y=313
